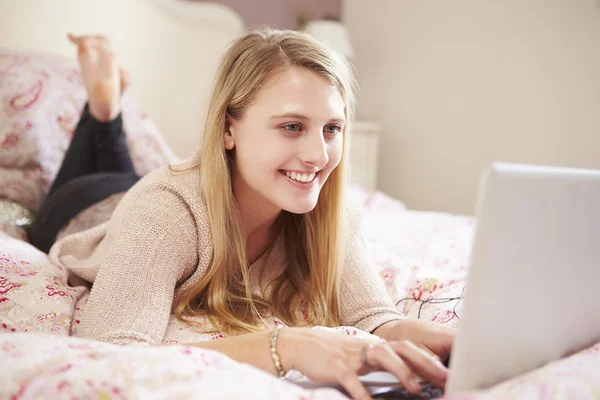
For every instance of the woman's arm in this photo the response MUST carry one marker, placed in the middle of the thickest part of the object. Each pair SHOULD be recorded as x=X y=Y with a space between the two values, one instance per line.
x=364 y=301
x=250 y=348
x=332 y=358
x=151 y=244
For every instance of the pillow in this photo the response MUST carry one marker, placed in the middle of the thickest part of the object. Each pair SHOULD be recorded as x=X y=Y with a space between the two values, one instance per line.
x=14 y=213
x=34 y=295
x=13 y=231
x=42 y=97
x=14 y=218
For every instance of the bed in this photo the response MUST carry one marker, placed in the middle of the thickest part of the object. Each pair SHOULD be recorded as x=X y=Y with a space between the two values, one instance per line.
x=421 y=256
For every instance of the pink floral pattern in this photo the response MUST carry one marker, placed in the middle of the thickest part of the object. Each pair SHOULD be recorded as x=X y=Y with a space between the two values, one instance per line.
x=72 y=367
x=67 y=367
x=34 y=295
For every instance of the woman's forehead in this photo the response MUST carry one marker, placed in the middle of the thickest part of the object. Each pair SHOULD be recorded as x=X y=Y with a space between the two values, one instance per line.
x=301 y=91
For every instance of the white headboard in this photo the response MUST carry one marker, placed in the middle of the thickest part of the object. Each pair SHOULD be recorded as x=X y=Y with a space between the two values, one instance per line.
x=171 y=48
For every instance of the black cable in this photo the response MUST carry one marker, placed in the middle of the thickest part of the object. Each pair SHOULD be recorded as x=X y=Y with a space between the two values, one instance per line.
x=462 y=294
x=433 y=300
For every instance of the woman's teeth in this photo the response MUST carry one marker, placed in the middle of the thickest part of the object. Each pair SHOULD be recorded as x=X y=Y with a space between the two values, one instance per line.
x=298 y=177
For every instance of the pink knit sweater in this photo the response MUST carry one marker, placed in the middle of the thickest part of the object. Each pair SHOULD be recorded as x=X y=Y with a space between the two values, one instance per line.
x=157 y=243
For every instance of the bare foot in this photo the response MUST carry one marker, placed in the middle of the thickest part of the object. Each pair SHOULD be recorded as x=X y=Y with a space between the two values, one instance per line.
x=103 y=78
x=125 y=79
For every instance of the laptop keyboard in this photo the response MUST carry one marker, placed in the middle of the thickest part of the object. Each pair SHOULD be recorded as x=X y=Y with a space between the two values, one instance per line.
x=428 y=392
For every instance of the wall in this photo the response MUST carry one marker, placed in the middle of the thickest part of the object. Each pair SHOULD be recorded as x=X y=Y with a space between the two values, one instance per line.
x=171 y=54
x=460 y=84
x=282 y=14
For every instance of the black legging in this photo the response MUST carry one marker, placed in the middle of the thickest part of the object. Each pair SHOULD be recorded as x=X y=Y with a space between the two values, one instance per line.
x=96 y=166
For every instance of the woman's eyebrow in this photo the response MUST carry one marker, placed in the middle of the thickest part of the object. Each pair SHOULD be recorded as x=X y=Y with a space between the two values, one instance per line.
x=303 y=117
x=289 y=115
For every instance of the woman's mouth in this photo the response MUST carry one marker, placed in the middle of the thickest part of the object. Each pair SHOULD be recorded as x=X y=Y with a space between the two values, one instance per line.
x=301 y=179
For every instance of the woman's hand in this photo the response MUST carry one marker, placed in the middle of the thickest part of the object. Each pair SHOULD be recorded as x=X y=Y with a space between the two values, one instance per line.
x=335 y=358
x=412 y=348
x=429 y=336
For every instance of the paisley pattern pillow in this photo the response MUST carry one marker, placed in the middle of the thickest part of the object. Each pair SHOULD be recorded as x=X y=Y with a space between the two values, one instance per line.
x=41 y=99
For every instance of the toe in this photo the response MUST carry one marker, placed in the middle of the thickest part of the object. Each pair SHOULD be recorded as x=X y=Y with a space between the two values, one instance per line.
x=74 y=39
x=125 y=79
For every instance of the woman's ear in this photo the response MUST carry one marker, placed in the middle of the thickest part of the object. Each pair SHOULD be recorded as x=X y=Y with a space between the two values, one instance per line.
x=228 y=141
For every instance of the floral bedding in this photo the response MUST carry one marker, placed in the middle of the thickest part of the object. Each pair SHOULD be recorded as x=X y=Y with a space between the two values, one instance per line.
x=422 y=258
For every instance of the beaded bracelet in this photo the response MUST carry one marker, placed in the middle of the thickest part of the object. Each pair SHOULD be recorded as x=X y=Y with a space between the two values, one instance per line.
x=276 y=360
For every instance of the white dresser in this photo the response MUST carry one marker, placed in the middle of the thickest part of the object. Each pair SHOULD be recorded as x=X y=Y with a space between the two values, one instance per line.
x=364 y=154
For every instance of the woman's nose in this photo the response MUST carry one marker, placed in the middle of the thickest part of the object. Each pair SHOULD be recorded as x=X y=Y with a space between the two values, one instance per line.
x=315 y=151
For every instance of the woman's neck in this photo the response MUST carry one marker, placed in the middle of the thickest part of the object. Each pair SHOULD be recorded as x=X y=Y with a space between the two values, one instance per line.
x=258 y=222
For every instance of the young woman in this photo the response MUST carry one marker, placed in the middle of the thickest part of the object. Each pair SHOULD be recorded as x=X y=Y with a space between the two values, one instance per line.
x=252 y=228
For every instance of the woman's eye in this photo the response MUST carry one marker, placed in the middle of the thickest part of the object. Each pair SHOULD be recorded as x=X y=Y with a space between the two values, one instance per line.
x=334 y=129
x=292 y=127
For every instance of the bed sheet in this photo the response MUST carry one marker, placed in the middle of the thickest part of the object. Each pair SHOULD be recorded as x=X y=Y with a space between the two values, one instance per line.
x=422 y=258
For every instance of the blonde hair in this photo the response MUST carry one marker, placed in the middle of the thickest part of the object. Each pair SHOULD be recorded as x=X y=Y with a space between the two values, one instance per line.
x=306 y=292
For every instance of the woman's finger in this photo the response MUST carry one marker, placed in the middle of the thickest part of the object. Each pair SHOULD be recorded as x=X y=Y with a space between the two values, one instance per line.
x=348 y=379
x=430 y=352
x=385 y=357
x=427 y=366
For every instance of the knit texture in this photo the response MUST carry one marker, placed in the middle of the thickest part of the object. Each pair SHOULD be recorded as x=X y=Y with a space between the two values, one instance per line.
x=157 y=243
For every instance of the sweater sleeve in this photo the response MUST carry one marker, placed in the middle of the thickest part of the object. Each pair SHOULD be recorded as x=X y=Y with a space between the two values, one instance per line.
x=153 y=246
x=364 y=301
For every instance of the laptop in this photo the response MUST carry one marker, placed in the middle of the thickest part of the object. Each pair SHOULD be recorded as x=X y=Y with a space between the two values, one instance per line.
x=531 y=291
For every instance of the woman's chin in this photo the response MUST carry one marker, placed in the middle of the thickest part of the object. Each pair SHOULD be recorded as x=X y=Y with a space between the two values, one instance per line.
x=300 y=207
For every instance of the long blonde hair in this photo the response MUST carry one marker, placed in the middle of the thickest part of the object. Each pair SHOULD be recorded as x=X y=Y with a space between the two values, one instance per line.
x=306 y=292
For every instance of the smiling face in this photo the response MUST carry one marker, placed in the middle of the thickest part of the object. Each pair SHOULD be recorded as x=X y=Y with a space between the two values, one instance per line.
x=287 y=142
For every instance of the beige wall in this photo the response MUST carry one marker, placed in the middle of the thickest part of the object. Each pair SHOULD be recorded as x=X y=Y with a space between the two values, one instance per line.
x=171 y=53
x=282 y=14
x=460 y=84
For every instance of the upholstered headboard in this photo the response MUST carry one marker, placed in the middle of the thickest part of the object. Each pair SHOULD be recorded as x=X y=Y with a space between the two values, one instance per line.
x=171 y=48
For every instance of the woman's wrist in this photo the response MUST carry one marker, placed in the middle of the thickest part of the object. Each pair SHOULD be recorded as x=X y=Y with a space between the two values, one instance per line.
x=279 y=370
x=287 y=343
x=389 y=330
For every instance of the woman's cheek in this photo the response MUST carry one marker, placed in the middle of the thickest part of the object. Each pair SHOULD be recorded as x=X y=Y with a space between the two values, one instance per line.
x=335 y=154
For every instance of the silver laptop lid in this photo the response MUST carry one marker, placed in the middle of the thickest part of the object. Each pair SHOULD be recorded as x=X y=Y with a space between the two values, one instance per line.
x=533 y=286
